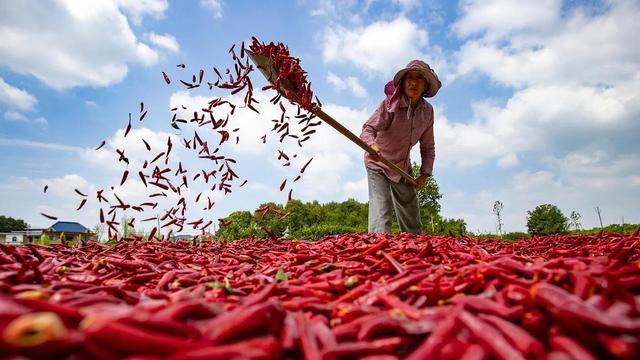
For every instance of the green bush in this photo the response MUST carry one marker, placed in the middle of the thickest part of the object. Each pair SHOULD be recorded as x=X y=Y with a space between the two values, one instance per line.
x=44 y=240
x=513 y=236
x=315 y=232
x=547 y=220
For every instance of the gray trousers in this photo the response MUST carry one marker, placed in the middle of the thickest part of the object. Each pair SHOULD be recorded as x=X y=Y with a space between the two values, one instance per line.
x=383 y=194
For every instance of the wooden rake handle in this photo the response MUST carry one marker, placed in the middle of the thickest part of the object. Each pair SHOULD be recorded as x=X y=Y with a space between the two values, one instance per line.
x=267 y=68
x=351 y=136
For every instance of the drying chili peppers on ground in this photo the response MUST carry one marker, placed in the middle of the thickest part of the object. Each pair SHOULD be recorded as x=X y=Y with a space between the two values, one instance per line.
x=351 y=296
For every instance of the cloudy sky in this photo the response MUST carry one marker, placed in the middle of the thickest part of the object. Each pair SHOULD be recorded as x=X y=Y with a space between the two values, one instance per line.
x=540 y=101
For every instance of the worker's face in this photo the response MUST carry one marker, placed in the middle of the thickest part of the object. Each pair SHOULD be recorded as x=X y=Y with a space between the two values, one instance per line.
x=414 y=85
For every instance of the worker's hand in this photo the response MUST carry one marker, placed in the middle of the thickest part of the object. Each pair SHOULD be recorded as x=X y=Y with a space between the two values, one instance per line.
x=421 y=181
x=377 y=155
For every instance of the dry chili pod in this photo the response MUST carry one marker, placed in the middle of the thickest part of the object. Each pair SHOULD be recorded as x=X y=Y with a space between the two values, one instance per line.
x=571 y=347
x=129 y=339
x=562 y=303
x=34 y=329
x=260 y=348
x=621 y=347
x=489 y=337
x=445 y=329
x=259 y=319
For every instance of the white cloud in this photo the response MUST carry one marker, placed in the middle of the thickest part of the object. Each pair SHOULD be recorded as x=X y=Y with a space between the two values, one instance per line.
x=407 y=4
x=13 y=115
x=91 y=103
x=342 y=9
x=139 y=8
x=40 y=120
x=215 y=6
x=572 y=52
x=134 y=148
x=16 y=98
x=325 y=174
x=40 y=145
x=165 y=41
x=60 y=200
x=529 y=121
x=499 y=18
x=508 y=160
x=352 y=83
x=72 y=43
x=65 y=185
x=382 y=47
x=358 y=190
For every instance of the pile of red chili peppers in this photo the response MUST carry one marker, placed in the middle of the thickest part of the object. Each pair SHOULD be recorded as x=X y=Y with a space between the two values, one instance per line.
x=348 y=296
x=290 y=76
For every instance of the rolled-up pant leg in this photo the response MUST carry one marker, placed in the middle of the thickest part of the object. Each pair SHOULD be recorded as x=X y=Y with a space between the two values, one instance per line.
x=380 y=210
x=405 y=202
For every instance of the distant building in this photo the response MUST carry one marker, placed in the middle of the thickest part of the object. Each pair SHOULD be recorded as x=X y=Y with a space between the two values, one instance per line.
x=183 y=237
x=12 y=238
x=19 y=237
x=67 y=232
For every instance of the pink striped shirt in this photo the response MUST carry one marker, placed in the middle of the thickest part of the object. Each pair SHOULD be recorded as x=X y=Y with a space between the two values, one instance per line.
x=396 y=127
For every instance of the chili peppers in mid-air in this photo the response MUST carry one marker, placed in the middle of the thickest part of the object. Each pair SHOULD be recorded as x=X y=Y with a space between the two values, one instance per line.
x=218 y=172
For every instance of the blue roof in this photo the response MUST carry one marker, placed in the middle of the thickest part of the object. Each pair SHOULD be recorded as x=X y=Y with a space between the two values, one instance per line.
x=68 y=227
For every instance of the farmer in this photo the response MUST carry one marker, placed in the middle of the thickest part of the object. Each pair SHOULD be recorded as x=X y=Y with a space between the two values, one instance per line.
x=401 y=120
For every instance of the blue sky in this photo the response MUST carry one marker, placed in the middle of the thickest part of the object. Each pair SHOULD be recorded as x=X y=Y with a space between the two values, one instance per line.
x=540 y=100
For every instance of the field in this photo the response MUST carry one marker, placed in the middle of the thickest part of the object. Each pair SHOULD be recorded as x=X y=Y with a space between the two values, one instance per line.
x=345 y=296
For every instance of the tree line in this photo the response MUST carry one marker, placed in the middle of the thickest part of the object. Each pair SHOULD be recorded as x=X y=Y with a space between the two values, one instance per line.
x=312 y=220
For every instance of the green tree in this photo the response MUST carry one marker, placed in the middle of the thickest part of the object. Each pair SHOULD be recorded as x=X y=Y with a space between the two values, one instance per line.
x=497 y=209
x=300 y=215
x=125 y=228
x=241 y=226
x=98 y=231
x=574 y=221
x=428 y=200
x=8 y=224
x=546 y=220
x=271 y=220
x=453 y=227
x=44 y=240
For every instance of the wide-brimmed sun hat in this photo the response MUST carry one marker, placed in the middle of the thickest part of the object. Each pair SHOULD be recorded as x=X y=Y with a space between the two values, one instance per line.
x=433 y=83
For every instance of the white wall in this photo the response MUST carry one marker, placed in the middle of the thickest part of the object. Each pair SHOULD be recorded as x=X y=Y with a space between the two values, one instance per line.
x=13 y=239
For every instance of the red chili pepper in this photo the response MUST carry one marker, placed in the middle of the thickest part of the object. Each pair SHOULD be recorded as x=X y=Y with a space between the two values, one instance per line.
x=488 y=306
x=261 y=348
x=378 y=346
x=390 y=288
x=444 y=330
x=396 y=265
x=521 y=339
x=129 y=339
x=571 y=347
x=489 y=337
x=474 y=352
x=308 y=343
x=557 y=300
x=246 y=321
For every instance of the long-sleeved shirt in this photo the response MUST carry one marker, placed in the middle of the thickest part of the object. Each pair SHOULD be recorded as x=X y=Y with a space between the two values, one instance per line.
x=397 y=132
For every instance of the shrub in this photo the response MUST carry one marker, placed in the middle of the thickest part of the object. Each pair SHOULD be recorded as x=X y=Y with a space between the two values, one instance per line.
x=44 y=240
x=315 y=232
x=547 y=220
x=513 y=236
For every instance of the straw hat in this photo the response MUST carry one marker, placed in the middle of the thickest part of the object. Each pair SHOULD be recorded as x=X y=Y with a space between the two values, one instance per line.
x=433 y=83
